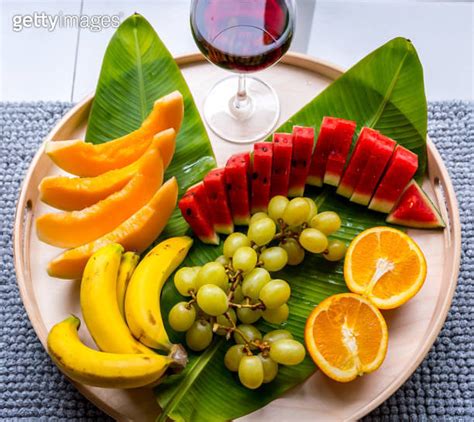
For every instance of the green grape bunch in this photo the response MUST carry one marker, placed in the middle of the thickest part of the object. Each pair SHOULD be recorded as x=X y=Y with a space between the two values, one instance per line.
x=228 y=296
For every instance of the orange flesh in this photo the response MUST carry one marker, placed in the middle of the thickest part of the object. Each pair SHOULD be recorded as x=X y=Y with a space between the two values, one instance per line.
x=346 y=336
x=385 y=265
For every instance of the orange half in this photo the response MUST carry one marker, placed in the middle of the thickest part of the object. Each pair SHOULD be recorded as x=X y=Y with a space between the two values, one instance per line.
x=385 y=265
x=346 y=336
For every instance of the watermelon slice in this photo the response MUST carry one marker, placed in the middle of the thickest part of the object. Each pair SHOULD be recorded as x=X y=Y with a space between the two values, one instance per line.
x=415 y=209
x=303 y=142
x=330 y=154
x=341 y=145
x=237 y=180
x=261 y=175
x=358 y=161
x=380 y=155
x=401 y=168
x=193 y=206
x=282 y=149
x=214 y=182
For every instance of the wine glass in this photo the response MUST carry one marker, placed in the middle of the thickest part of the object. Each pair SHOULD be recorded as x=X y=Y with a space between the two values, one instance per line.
x=242 y=36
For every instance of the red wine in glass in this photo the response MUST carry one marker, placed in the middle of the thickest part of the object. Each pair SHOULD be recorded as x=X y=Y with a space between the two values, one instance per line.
x=242 y=36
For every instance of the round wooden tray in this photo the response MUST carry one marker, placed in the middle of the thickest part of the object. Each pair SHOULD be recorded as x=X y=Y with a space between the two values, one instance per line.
x=413 y=328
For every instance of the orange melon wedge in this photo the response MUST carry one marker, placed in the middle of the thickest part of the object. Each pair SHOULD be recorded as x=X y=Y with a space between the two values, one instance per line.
x=77 y=193
x=71 y=229
x=134 y=234
x=86 y=159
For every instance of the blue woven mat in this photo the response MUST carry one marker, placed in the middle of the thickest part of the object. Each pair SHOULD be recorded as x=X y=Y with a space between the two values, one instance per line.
x=31 y=387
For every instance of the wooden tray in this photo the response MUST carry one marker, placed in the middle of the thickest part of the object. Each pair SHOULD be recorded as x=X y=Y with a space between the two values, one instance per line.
x=413 y=328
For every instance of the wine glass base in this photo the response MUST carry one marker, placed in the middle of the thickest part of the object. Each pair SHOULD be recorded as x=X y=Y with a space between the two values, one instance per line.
x=250 y=123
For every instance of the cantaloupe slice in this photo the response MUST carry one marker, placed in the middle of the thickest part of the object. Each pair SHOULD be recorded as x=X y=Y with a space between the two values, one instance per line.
x=86 y=159
x=77 y=193
x=135 y=234
x=71 y=229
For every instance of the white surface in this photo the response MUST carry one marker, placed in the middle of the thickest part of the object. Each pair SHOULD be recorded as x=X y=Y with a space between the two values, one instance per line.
x=64 y=64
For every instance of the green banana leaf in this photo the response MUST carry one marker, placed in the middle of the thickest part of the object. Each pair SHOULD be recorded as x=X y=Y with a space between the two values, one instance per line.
x=137 y=69
x=385 y=91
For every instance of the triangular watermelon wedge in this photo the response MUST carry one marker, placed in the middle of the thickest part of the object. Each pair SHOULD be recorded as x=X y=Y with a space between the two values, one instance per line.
x=195 y=211
x=415 y=209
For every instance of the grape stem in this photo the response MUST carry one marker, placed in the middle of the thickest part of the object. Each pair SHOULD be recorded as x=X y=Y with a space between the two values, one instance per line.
x=258 y=305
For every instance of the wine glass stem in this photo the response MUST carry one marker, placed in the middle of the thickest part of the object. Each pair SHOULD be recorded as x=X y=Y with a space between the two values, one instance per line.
x=241 y=99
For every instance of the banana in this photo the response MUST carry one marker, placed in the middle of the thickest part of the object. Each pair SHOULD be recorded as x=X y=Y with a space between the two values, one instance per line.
x=99 y=303
x=127 y=266
x=142 y=299
x=100 y=369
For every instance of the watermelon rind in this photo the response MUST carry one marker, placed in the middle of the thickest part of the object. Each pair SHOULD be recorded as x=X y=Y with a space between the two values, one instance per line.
x=408 y=210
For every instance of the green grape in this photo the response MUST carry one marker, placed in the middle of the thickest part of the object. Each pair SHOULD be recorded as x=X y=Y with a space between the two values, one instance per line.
x=185 y=280
x=224 y=321
x=221 y=259
x=233 y=242
x=212 y=299
x=275 y=293
x=257 y=216
x=326 y=222
x=244 y=259
x=262 y=231
x=238 y=294
x=251 y=372
x=274 y=258
x=313 y=240
x=250 y=333
x=276 y=207
x=199 y=336
x=254 y=281
x=212 y=273
x=233 y=357
x=278 y=315
x=294 y=251
x=313 y=209
x=296 y=212
x=335 y=251
x=287 y=352
x=248 y=315
x=275 y=335
x=182 y=316
x=270 y=368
